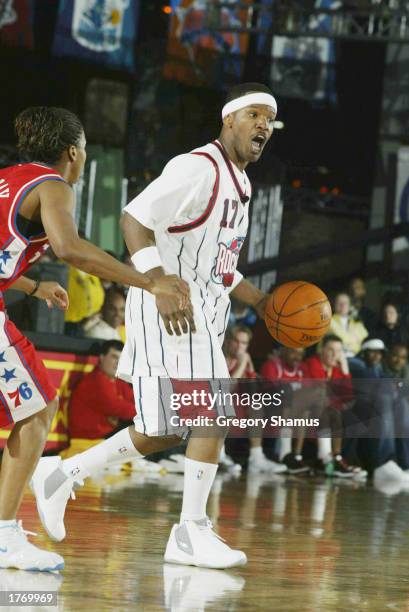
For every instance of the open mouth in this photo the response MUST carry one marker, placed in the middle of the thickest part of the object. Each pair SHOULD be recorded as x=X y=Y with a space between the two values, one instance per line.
x=257 y=143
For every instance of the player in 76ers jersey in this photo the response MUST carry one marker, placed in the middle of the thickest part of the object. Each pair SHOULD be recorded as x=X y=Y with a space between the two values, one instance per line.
x=191 y=221
x=36 y=209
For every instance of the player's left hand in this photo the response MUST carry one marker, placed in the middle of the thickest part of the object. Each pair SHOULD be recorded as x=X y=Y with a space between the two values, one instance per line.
x=53 y=294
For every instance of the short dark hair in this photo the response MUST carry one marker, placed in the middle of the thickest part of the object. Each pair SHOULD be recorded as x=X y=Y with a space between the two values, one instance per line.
x=330 y=338
x=245 y=88
x=45 y=132
x=117 y=345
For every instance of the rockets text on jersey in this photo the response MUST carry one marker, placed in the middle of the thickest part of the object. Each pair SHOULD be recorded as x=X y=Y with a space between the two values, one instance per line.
x=226 y=261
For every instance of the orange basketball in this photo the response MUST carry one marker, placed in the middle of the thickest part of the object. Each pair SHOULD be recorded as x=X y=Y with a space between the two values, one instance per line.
x=298 y=314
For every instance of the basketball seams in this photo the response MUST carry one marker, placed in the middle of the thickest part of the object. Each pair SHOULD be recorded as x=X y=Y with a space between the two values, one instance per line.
x=294 y=327
x=274 y=316
x=322 y=301
x=285 y=302
x=295 y=343
x=287 y=298
x=311 y=329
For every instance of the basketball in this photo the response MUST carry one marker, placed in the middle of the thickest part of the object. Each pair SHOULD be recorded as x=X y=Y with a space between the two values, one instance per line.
x=298 y=314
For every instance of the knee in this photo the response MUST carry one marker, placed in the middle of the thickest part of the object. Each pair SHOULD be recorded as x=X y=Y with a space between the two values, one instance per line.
x=147 y=445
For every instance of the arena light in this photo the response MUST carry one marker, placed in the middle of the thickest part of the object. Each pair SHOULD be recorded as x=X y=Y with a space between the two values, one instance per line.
x=278 y=125
x=167 y=10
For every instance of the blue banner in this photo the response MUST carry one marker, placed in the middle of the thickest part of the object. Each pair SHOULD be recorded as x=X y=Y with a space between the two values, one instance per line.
x=302 y=66
x=102 y=31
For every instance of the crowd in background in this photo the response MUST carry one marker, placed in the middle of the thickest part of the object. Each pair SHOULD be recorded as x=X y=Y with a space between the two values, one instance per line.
x=363 y=361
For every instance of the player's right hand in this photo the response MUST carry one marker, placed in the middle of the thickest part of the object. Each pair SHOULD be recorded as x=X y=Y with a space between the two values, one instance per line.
x=176 y=320
x=173 y=288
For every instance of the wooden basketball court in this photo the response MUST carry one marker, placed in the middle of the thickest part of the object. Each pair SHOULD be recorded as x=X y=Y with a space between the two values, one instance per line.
x=312 y=544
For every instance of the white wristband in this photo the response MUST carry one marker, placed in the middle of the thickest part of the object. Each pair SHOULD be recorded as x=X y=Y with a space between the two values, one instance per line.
x=146 y=259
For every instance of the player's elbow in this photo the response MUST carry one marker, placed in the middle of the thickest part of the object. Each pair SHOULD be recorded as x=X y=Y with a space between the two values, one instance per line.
x=68 y=251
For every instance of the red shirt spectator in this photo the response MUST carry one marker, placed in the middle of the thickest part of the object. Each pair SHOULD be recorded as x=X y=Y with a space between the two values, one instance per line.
x=238 y=358
x=285 y=367
x=100 y=400
x=331 y=367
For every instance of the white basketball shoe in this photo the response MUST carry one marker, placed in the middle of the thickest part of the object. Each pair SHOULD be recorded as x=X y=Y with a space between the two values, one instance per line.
x=17 y=552
x=52 y=489
x=195 y=543
x=260 y=463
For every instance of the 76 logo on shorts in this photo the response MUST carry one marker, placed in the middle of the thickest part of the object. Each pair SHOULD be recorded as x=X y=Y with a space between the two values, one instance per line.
x=22 y=392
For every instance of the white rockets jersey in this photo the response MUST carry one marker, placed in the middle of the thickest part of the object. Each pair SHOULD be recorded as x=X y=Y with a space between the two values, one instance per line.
x=200 y=222
x=198 y=210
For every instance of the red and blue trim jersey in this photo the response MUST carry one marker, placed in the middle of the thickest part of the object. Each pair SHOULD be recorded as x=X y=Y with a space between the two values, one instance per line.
x=19 y=252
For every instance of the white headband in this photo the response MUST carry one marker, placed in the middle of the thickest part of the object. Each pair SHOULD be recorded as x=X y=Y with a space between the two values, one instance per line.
x=248 y=100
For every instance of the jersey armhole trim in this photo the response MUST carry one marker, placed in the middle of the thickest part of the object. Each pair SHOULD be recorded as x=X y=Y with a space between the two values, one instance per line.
x=205 y=215
x=18 y=200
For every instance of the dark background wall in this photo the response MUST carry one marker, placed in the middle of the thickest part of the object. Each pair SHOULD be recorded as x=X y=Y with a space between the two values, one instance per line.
x=340 y=138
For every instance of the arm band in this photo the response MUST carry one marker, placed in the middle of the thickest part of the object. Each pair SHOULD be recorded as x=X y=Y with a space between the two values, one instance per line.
x=36 y=287
x=146 y=259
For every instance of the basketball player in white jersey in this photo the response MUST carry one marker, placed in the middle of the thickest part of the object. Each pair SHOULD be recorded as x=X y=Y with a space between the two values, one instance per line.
x=190 y=221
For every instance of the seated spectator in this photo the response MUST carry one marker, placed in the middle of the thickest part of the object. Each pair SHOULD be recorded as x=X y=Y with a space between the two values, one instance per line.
x=396 y=362
x=359 y=310
x=389 y=328
x=286 y=367
x=240 y=365
x=241 y=314
x=331 y=365
x=368 y=364
x=86 y=296
x=107 y=324
x=351 y=331
x=388 y=449
x=238 y=359
x=101 y=403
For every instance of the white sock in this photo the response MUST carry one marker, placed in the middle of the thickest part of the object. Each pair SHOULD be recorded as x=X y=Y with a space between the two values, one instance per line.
x=199 y=477
x=118 y=448
x=285 y=442
x=324 y=449
x=256 y=452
